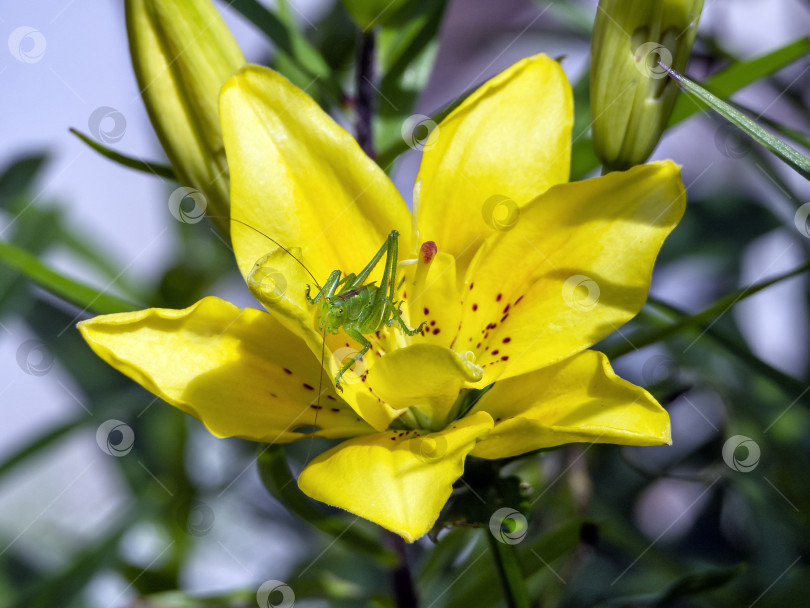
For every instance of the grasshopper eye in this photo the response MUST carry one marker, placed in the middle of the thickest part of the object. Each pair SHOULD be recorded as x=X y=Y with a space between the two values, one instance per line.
x=340 y=310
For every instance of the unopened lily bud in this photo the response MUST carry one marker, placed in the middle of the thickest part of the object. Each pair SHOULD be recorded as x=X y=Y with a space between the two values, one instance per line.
x=631 y=96
x=183 y=53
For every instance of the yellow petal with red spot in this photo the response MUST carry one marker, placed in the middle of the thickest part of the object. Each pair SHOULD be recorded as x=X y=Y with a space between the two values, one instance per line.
x=434 y=299
x=579 y=399
x=574 y=269
x=239 y=371
x=302 y=180
x=503 y=146
x=399 y=480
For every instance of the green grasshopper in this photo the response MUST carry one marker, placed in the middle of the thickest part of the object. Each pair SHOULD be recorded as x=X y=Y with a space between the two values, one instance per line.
x=361 y=308
x=351 y=304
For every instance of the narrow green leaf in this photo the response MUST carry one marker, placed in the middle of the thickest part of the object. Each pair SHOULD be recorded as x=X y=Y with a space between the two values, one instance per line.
x=277 y=478
x=39 y=444
x=294 y=46
x=691 y=583
x=741 y=74
x=788 y=154
x=86 y=297
x=739 y=350
x=19 y=174
x=62 y=587
x=646 y=337
x=155 y=169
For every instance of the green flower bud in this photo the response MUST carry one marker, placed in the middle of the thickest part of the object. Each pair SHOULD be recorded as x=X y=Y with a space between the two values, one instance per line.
x=183 y=53
x=631 y=96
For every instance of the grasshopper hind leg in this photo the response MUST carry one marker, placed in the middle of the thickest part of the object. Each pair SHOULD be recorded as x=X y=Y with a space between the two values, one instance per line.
x=397 y=318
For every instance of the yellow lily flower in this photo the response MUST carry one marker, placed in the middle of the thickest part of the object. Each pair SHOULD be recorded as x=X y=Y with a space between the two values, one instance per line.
x=501 y=297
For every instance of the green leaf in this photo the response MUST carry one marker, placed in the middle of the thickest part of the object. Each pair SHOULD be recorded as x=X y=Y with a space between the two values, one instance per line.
x=739 y=350
x=19 y=175
x=277 y=478
x=691 y=583
x=86 y=297
x=407 y=51
x=155 y=169
x=788 y=154
x=39 y=444
x=297 y=50
x=646 y=337
x=60 y=588
x=741 y=74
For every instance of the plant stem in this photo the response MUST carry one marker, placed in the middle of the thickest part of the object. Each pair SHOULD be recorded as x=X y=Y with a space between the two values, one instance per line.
x=404 y=592
x=364 y=103
x=514 y=589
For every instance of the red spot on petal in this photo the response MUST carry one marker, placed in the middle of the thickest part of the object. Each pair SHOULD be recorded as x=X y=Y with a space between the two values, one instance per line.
x=475 y=307
x=436 y=331
x=495 y=352
x=498 y=297
x=504 y=358
x=426 y=311
x=308 y=387
x=471 y=286
x=507 y=340
x=287 y=371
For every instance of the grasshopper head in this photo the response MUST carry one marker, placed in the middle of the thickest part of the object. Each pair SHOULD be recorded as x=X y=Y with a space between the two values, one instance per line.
x=334 y=315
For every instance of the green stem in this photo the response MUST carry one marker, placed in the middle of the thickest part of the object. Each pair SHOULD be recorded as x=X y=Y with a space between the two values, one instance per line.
x=401 y=580
x=364 y=102
x=514 y=589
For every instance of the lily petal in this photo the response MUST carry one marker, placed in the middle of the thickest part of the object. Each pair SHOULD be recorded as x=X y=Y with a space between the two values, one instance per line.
x=301 y=179
x=425 y=376
x=575 y=268
x=436 y=301
x=238 y=371
x=580 y=399
x=399 y=480
x=510 y=139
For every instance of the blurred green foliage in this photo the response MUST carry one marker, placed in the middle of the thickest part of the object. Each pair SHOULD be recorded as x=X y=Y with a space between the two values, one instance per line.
x=746 y=536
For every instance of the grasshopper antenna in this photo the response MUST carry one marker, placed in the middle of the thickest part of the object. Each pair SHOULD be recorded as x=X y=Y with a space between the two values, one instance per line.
x=318 y=399
x=269 y=238
x=323 y=336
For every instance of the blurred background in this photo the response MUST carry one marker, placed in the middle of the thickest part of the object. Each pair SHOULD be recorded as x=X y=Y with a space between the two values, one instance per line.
x=718 y=519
